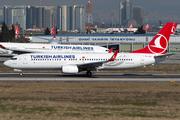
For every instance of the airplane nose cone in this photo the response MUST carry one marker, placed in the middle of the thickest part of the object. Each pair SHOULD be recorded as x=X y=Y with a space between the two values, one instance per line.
x=6 y=63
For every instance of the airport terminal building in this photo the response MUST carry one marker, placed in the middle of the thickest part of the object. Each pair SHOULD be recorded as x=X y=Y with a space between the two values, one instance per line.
x=123 y=42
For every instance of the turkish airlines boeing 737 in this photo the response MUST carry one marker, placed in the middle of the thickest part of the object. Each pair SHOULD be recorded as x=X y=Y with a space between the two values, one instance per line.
x=12 y=49
x=76 y=62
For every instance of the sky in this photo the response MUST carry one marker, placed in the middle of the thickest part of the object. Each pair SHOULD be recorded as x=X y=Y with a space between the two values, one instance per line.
x=161 y=7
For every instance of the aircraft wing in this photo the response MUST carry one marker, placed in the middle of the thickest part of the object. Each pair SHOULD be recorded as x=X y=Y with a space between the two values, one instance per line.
x=90 y=66
x=94 y=65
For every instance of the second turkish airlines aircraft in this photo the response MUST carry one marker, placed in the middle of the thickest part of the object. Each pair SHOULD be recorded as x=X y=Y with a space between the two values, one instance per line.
x=76 y=62
x=20 y=48
x=12 y=49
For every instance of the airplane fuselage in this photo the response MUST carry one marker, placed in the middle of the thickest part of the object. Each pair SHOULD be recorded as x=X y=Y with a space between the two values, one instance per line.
x=131 y=30
x=52 y=48
x=57 y=60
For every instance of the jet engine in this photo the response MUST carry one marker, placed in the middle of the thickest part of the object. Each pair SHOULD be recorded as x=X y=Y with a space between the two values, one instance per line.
x=70 y=69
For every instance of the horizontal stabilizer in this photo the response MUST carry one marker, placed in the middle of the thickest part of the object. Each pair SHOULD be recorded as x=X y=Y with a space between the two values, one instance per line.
x=167 y=54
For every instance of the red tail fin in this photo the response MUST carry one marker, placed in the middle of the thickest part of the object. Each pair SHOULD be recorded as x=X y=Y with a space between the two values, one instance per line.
x=17 y=31
x=131 y=26
x=52 y=31
x=173 y=28
x=159 y=43
x=147 y=27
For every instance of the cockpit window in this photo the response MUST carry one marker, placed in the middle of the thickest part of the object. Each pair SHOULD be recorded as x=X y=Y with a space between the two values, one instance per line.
x=13 y=58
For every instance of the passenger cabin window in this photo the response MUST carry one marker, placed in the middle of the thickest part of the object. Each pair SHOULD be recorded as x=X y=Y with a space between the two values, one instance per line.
x=13 y=58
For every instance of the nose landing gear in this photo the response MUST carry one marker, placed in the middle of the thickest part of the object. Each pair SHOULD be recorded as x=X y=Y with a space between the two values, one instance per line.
x=88 y=73
x=18 y=70
x=21 y=74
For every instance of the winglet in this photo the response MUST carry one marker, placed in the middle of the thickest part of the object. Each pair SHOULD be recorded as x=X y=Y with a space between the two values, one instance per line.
x=1 y=46
x=114 y=56
x=110 y=51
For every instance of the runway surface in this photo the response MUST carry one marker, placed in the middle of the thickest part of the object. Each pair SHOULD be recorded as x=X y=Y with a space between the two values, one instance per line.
x=96 y=77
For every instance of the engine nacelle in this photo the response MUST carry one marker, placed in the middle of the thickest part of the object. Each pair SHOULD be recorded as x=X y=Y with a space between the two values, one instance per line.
x=70 y=69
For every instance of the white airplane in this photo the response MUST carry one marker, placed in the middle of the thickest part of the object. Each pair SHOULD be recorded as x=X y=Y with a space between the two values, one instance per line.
x=109 y=30
x=76 y=62
x=19 y=48
x=12 y=49
x=118 y=30
x=131 y=29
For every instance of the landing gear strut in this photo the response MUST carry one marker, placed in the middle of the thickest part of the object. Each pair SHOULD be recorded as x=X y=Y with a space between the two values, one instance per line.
x=21 y=74
x=88 y=73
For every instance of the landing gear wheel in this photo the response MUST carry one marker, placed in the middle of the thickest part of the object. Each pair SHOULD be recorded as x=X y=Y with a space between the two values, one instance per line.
x=88 y=73
x=20 y=74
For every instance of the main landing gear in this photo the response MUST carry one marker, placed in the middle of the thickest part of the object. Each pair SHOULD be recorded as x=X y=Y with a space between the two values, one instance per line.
x=88 y=73
x=21 y=74
x=18 y=70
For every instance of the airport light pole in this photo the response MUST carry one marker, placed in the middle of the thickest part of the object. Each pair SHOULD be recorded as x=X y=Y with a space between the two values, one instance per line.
x=146 y=17
x=23 y=21
x=112 y=19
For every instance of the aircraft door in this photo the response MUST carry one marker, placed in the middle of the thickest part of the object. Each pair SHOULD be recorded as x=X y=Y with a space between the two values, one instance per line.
x=25 y=60
x=142 y=59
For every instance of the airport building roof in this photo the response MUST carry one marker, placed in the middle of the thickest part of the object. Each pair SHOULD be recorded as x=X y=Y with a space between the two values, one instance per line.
x=92 y=35
x=100 y=38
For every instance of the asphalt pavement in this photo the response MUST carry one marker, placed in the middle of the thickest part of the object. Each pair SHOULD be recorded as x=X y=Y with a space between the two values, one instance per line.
x=96 y=77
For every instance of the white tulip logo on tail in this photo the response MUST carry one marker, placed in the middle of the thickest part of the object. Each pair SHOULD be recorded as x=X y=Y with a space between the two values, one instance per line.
x=17 y=31
x=160 y=44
